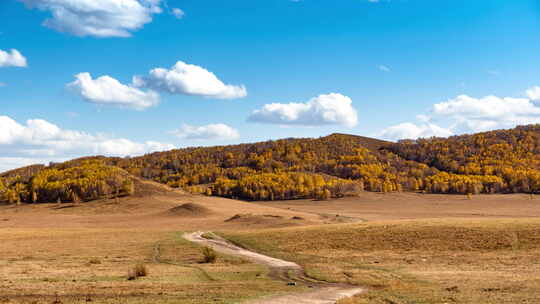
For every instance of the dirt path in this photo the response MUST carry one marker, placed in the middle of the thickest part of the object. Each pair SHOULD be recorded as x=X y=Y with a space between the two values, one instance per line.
x=320 y=293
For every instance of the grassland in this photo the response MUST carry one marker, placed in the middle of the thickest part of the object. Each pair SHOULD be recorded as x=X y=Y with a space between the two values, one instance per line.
x=77 y=253
x=79 y=266
x=416 y=261
x=411 y=249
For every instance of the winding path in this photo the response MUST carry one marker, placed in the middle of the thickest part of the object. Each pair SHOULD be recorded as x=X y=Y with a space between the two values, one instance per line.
x=320 y=293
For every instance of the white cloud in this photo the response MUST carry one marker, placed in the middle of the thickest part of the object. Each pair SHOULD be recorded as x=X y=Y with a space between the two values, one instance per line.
x=9 y=163
x=384 y=68
x=208 y=132
x=534 y=93
x=39 y=141
x=3 y=84
x=465 y=114
x=178 y=13
x=327 y=109
x=189 y=79
x=412 y=131
x=98 y=18
x=12 y=58
x=481 y=114
x=109 y=91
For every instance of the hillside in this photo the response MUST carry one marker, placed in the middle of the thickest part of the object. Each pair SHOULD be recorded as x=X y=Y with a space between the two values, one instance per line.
x=331 y=166
x=68 y=182
x=503 y=161
x=510 y=157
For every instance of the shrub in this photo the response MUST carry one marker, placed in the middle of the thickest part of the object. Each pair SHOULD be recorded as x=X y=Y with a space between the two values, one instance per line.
x=139 y=270
x=209 y=255
x=131 y=274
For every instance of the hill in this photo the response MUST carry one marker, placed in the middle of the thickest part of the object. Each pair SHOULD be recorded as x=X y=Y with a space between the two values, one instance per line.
x=331 y=166
x=511 y=158
x=73 y=181
x=503 y=161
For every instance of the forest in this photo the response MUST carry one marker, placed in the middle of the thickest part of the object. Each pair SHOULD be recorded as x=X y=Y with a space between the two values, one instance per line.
x=68 y=182
x=513 y=156
x=502 y=161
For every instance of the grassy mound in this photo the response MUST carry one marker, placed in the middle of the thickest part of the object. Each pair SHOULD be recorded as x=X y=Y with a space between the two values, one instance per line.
x=190 y=210
x=262 y=221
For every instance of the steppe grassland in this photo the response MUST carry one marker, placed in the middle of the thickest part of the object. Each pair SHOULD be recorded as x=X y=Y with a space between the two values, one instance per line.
x=79 y=265
x=417 y=261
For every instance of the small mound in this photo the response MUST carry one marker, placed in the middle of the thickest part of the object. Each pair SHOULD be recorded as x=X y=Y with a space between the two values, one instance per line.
x=331 y=219
x=266 y=220
x=189 y=209
x=145 y=188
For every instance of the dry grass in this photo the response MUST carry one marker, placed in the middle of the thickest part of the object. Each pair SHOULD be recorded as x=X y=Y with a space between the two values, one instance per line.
x=209 y=255
x=401 y=206
x=39 y=266
x=137 y=271
x=427 y=261
x=80 y=253
x=76 y=253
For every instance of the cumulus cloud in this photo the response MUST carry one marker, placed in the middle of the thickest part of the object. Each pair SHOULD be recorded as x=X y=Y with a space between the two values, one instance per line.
x=533 y=93
x=465 y=114
x=178 y=13
x=481 y=114
x=384 y=68
x=189 y=79
x=39 y=141
x=329 y=109
x=98 y=18
x=208 y=132
x=109 y=91
x=409 y=130
x=12 y=58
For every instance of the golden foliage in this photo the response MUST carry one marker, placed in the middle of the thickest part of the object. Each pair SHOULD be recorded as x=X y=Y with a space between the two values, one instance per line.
x=502 y=161
x=512 y=156
x=68 y=182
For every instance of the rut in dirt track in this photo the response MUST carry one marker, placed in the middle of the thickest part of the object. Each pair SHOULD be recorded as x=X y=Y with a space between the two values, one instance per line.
x=320 y=293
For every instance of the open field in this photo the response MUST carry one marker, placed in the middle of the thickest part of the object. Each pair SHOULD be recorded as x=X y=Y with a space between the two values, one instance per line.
x=92 y=264
x=416 y=261
x=412 y=249
x=76 y=253
x=401 y=206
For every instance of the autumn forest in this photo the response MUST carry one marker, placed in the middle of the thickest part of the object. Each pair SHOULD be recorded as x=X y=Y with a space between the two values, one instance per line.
x=503 y=161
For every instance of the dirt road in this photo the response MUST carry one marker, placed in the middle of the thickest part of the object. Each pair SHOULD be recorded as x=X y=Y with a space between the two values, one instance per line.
x=320 y=293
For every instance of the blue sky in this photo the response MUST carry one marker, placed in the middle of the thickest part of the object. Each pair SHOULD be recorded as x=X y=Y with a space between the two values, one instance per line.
x=389 y=68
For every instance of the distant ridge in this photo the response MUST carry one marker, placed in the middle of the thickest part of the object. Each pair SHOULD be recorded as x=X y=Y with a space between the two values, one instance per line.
x=23 y=172
x=501 y=161
x=370 y=143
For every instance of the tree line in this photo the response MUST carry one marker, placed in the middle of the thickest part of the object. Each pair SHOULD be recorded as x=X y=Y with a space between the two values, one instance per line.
x=270 y=170
x=512 y=156
x=503 y=161
x=69 y=182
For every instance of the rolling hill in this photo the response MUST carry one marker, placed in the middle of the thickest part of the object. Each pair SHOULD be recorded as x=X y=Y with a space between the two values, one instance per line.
x=502 y=161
